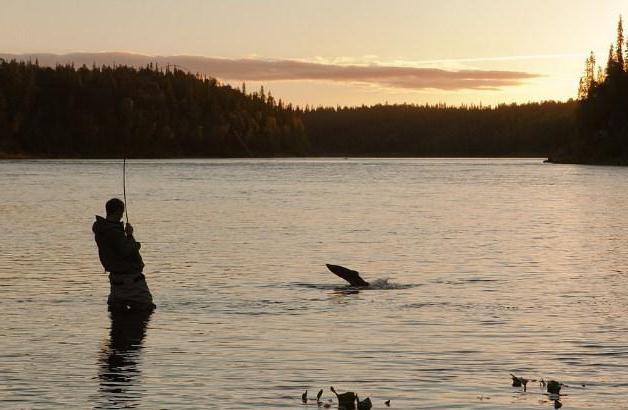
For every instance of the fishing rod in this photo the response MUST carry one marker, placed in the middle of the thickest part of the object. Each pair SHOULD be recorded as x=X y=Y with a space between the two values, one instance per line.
x=126 y=207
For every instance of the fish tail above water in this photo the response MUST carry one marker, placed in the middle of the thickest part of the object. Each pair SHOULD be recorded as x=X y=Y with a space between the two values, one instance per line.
x=351 y=276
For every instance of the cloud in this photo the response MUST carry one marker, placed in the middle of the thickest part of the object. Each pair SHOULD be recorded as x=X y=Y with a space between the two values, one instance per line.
x=256 y=69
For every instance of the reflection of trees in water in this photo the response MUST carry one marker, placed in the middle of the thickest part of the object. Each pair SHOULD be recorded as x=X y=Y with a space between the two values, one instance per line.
x=119 y=371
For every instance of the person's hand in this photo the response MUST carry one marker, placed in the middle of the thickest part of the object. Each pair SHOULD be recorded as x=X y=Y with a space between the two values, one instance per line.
x=128 y=229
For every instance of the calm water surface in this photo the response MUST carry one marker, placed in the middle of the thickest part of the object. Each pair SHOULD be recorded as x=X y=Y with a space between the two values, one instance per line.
x=482 y=268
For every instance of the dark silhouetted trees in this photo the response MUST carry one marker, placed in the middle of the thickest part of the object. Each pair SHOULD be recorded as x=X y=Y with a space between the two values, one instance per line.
x=533 y=129
x=152 y=112
x=602 y=114
x=148 y=112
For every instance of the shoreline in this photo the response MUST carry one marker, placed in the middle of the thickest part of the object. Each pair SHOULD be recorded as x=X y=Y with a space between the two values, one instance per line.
x=13 y=157
x=616 y=162
x=543 y=158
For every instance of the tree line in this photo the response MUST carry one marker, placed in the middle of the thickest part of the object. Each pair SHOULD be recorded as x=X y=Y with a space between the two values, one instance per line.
x=147 y=112
x=162 y=112
x=601 y=135
x=532 y=129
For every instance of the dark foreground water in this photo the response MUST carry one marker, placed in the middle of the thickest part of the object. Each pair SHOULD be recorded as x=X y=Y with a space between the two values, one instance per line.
x=481 y=267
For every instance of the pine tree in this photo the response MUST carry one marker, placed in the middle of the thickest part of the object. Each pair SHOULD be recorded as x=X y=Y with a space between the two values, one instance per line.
x=620 y=45
x=611 y=63
x=588 y=79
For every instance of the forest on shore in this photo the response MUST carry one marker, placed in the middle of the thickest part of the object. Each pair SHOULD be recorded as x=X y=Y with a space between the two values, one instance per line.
x=517 y=130
x=601 y=133
x=148 y=112
x=157 y=112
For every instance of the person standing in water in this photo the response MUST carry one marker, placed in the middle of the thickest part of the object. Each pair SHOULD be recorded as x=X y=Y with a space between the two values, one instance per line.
x=119 y=254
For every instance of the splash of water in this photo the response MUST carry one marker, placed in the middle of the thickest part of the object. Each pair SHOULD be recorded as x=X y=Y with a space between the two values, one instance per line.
x=386 y=284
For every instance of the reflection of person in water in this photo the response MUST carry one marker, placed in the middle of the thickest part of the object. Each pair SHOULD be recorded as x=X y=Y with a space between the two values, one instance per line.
x=119 y=367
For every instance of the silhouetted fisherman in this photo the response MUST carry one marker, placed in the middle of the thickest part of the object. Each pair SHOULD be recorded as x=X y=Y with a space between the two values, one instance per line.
x=119 y=254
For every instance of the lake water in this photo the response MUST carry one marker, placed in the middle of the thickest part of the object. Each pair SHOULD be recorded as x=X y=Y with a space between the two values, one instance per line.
x=482 y=268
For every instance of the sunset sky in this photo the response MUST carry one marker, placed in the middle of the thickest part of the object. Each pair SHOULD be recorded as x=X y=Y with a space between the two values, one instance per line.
x=334 y=52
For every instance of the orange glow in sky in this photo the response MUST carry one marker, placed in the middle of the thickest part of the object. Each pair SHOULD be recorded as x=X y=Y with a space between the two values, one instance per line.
x=334 y=52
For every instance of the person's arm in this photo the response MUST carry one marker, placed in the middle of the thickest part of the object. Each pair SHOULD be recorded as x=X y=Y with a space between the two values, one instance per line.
x=123 y=243
x=128 y=229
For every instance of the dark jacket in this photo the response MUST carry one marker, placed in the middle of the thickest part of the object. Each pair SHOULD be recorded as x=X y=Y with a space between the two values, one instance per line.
x=118 y=254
